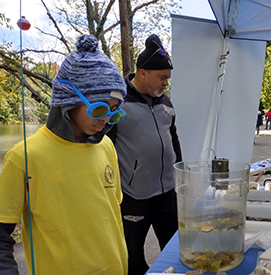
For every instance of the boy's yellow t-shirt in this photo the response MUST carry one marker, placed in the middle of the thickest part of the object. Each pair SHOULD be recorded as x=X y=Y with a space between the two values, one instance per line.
x=75 y=195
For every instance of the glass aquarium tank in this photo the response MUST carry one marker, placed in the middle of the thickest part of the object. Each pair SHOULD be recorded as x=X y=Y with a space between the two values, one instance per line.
x=211 y=212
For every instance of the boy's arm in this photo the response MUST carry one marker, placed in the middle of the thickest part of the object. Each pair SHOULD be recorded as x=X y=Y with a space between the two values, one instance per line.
x=8 y=265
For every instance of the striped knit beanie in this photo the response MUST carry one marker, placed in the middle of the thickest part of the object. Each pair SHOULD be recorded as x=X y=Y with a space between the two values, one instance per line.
x=93 y=74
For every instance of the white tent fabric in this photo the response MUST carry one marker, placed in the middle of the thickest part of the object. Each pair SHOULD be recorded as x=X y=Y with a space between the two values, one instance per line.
x=244 y=19
x=196 y=49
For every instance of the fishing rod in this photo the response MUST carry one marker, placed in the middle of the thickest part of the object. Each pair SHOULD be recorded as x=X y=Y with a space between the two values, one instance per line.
x=25 y=25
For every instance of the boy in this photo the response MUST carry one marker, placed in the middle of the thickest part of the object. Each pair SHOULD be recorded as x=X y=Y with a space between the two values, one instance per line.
x=74 y=184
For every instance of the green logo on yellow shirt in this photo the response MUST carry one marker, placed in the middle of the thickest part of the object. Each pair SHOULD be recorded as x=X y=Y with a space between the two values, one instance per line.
x=109 y=174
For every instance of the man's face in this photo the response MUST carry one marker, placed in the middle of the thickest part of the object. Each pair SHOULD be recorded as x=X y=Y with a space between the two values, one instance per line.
x=157 y=81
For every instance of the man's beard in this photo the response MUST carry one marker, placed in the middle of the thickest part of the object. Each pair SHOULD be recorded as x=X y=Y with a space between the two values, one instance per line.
x=157 y=93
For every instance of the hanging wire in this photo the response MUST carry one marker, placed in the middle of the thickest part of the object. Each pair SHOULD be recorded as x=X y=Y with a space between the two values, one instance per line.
x=25 y=149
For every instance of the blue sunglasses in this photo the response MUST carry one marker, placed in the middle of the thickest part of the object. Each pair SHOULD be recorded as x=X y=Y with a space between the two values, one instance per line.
x=98 y=110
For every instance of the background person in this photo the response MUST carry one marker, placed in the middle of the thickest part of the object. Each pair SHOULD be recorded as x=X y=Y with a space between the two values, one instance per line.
x=259 y=122
x=75 y=188
x=268 y=119
x=147 y=145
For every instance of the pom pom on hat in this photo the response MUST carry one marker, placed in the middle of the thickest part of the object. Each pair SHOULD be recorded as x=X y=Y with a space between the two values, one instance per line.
x=87 y=43
x=151 y=58
x=91 y=71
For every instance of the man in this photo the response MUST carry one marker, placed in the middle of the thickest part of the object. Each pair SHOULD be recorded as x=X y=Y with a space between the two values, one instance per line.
x=147 y=145
x=74 y=190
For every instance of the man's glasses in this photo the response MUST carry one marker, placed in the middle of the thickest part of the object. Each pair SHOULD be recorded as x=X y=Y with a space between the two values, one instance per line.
x=98 y=110
x=160 y=51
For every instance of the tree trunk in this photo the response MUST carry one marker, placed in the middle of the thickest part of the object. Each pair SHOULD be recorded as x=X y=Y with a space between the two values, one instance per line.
x=131 y=37
x=125 y=48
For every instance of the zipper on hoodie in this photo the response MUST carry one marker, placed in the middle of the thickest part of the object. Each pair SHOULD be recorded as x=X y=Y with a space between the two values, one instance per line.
x=162 y=157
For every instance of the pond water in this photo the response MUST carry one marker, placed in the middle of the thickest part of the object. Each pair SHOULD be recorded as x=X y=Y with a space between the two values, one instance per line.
x=11 y=134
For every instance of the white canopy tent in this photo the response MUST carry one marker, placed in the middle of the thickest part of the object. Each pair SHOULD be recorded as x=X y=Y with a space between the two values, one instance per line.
x=216 y=81
x=243 y=19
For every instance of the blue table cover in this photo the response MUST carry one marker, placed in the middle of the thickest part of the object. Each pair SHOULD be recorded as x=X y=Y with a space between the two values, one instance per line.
x=170 y=256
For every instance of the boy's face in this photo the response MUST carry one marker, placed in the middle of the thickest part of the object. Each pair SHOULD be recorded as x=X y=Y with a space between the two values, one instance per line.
x=85 y=126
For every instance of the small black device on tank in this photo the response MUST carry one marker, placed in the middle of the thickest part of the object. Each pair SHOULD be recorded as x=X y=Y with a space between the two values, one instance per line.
x=220 y=165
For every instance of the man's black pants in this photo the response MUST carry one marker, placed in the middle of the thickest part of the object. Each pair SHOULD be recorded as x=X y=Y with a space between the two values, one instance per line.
x=138 y=215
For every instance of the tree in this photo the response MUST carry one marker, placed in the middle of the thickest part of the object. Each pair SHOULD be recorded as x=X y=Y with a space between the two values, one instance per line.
x=10 y=62
x=101 y=20
x=125 y=49
x=36 y=106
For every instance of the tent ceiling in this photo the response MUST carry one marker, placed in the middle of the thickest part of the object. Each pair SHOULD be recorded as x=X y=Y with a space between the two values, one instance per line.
x=243 y=19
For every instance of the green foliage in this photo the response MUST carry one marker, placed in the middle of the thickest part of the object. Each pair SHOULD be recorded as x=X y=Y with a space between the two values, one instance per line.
x=168 y=88
x=5 y=21
x=115 y=54
x=11 y=93
x=261 y=106
x=37 y=89
x=9 y=57
x=266 y=84
x=10 y=99
x=36 y=112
